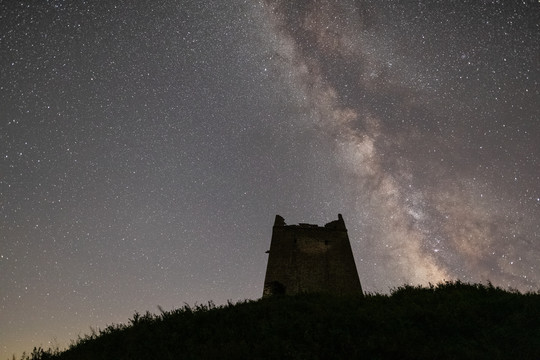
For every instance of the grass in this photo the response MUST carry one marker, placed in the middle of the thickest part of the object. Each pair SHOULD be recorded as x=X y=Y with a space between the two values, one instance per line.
x=452 y=320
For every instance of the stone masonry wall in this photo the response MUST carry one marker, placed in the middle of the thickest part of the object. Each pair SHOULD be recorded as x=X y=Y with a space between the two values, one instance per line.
x=310 y=258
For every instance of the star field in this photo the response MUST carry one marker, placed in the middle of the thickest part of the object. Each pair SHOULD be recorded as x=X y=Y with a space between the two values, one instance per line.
x=146 y=148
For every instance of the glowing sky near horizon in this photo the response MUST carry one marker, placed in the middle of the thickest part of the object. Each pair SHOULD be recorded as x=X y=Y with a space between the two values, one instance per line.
x=147 y=146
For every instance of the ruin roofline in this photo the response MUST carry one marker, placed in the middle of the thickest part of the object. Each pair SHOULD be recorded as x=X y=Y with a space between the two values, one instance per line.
x=338 y=224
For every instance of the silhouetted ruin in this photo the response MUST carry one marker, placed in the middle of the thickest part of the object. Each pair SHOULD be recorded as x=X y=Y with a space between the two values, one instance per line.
x=309 y=258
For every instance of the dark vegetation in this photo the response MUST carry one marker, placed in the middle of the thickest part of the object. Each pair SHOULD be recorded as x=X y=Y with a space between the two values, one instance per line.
x=453 y=320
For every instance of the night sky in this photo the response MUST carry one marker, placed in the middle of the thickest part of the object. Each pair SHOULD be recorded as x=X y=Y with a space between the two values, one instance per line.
x=146 y=147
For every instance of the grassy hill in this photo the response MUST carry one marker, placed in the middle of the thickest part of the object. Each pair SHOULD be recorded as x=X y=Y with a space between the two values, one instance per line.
x=449 y=321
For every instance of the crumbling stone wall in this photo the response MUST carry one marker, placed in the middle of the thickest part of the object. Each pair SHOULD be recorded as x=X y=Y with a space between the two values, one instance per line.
x=310 y=258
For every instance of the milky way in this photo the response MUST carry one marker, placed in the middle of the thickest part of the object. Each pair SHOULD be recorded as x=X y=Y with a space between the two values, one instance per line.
x=418 y=154
x=147 y=147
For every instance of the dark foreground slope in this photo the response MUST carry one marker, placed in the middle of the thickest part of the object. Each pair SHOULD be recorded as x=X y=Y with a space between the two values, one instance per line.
x=449 y=321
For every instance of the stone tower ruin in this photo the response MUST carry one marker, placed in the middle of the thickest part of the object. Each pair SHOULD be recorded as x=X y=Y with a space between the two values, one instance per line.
x=310 y=258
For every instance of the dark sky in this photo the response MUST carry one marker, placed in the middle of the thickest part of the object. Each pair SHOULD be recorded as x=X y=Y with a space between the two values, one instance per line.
x=146 y=147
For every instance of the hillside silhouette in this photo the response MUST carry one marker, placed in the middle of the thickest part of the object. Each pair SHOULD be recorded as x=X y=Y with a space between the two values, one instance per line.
x=452 y=320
